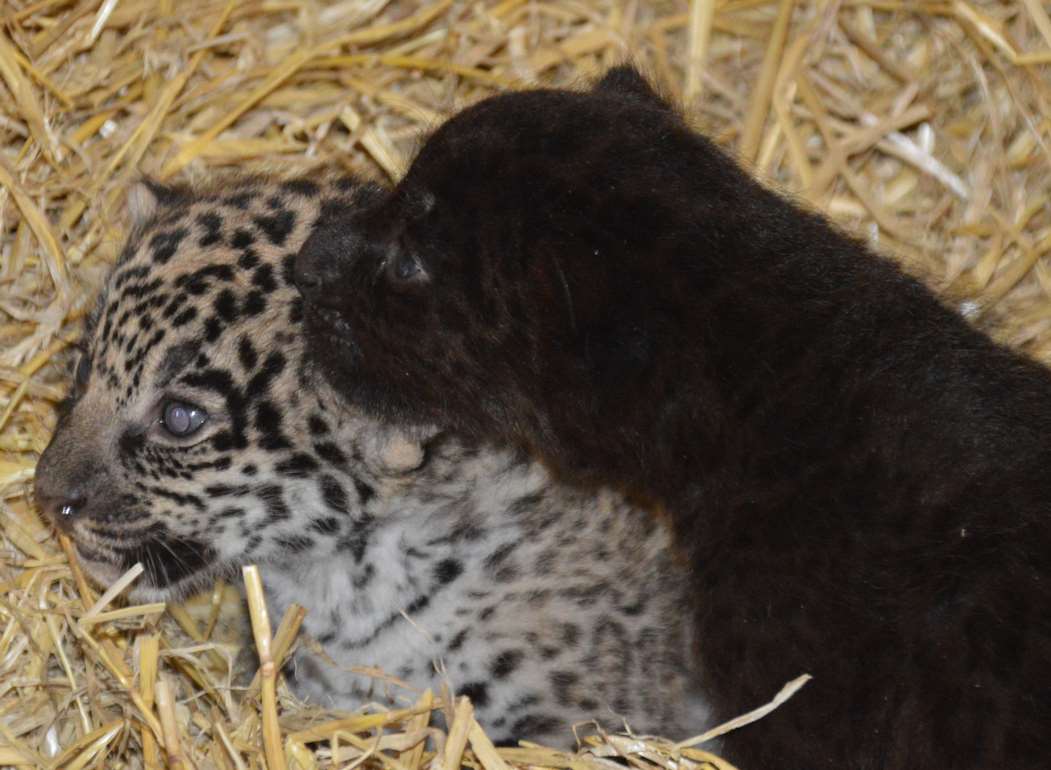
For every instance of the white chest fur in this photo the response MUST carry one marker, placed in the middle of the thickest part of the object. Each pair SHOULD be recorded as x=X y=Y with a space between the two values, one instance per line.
x=546 y=606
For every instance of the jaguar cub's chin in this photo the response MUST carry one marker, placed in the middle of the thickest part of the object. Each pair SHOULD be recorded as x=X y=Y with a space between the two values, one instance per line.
x=143 y=591
x=172 y=570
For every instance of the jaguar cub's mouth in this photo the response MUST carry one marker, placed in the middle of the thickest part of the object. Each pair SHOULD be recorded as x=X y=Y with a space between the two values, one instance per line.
x=172 y=567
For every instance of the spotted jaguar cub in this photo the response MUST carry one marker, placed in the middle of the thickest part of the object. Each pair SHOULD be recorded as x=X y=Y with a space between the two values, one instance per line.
x=196 y=440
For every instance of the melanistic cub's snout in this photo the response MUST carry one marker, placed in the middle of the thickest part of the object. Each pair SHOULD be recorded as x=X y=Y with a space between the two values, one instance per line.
x=363 y=249
x=326 y=257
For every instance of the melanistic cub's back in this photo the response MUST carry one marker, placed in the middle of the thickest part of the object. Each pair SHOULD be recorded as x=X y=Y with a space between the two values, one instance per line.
x=859 y=478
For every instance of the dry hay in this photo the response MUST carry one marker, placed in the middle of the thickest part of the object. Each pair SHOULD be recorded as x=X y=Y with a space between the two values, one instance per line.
x=923 y=126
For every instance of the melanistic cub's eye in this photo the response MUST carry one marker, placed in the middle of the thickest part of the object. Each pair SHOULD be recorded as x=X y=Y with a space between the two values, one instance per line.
x=405 y=269
x=83 y=371
x=182 y=419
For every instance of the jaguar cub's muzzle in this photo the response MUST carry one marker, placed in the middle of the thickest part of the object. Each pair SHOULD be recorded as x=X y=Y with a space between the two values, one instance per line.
x=75 y=488
x=69 y=484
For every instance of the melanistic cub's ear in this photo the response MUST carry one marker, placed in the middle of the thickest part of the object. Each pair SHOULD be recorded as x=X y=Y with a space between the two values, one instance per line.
x=146 y=197
x=627 y=81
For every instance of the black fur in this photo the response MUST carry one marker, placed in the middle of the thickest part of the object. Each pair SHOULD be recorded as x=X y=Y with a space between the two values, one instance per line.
x=860 y=479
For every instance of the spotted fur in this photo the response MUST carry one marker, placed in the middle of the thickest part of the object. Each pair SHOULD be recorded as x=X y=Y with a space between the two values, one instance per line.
x=546 y=605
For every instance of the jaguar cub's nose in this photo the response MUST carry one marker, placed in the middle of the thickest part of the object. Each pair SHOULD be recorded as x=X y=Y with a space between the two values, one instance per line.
x=61 y=508
x=308 y=281
x=317 y=268
x=62 y=493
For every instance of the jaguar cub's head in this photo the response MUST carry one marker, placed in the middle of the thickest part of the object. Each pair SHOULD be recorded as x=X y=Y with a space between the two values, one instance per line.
x=194 y=439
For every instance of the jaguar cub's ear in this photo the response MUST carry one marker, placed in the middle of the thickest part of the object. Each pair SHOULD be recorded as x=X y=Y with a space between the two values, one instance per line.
x=625 y=80
x=146 y=197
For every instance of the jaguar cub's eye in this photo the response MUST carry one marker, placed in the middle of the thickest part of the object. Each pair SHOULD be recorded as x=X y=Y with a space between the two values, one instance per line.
x=83 y=371
x=182 y=419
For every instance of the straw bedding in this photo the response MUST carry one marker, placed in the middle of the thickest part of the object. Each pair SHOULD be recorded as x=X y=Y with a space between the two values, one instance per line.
x=923 y=126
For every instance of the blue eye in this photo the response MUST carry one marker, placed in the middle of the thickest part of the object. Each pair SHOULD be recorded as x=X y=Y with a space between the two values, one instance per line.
x=182 y=419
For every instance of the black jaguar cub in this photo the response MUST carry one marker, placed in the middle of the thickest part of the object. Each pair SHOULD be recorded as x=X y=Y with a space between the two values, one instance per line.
x=860 y=479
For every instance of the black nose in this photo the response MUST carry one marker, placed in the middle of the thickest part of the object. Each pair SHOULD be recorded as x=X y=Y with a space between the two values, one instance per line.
x=308 y=281
x=61 y=508
x=318 y=265
x=64 y=490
